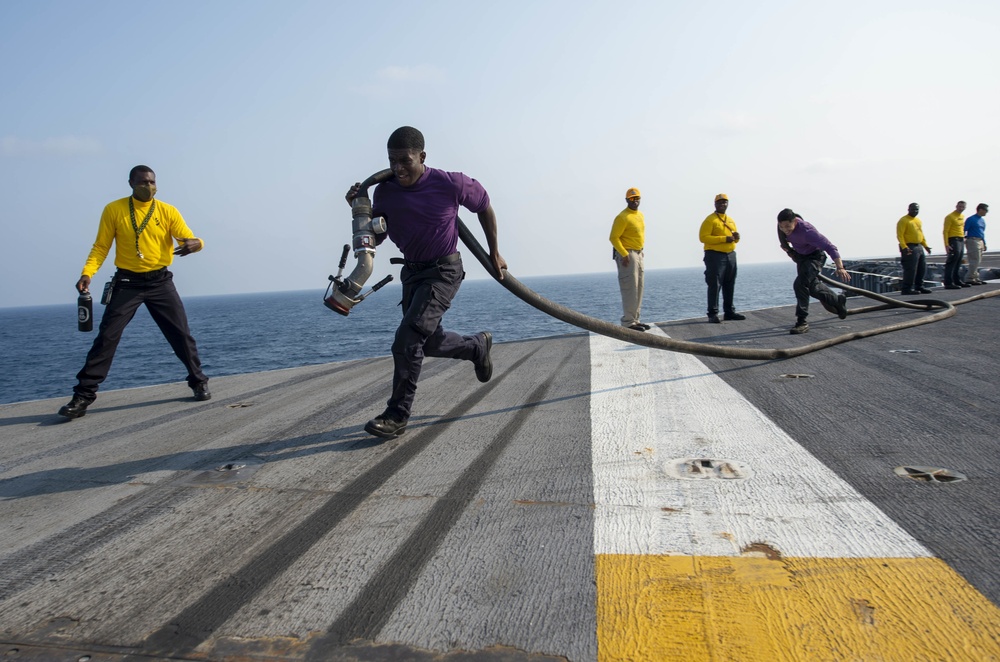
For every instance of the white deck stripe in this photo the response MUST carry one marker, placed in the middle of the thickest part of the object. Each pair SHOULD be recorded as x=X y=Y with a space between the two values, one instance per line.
x=650 y=407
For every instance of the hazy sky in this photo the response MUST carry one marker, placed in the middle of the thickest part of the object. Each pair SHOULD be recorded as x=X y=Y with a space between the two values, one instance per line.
x=257 y=116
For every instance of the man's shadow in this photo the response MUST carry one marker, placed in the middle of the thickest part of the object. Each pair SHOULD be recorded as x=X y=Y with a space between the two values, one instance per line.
x=52 y=418
x=69 y=479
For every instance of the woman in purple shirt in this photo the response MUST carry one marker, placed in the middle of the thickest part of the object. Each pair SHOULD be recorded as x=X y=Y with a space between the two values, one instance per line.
x=808 y=249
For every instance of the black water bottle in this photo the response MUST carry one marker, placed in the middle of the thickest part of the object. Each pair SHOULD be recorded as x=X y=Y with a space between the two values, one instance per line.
x=85 y=311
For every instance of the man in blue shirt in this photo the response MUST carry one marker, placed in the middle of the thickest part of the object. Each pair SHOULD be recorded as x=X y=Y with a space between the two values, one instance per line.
x=975 y=242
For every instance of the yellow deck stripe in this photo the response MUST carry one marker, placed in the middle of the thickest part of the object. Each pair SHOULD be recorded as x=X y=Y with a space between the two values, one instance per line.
x=754 y=608
x=760 y=568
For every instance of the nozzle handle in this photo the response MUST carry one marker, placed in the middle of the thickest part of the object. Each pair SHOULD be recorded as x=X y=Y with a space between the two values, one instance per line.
x=379 y=285
x=376 y=287
x=343 y=257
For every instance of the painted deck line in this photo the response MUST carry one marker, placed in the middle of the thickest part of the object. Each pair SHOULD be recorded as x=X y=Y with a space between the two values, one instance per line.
x=652 y=409
x=788 y=562
x=749 y=609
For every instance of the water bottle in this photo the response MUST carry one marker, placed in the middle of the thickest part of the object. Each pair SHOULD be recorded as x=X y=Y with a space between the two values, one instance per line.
x=85 y=311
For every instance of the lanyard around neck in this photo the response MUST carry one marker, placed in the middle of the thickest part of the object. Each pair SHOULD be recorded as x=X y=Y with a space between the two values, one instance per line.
x=139 y=228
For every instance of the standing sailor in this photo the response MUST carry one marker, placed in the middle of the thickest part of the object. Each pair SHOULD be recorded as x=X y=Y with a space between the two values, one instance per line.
x=628 y=235
x=975 y=242
x=719 y=235
x=954 y=230
x=913 y=250
x=143 y=232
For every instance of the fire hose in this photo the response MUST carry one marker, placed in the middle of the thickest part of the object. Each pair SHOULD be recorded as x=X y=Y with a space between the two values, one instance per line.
x=346 y=292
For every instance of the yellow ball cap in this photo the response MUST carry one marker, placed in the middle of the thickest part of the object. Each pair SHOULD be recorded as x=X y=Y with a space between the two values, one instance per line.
x=632 y=193
x=721 y=196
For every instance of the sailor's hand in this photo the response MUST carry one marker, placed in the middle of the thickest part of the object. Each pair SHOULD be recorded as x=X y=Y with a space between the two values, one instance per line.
x=83 y=285
x=352 y=192
x=188 y=246
x=625 y=260
x=730 y=239
x=499 y=264
x=843 y=275
x=928 y=249
x=736 y=236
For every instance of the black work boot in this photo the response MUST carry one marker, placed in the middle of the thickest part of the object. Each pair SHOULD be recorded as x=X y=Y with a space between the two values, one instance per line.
x=484 y=369
x=801 y=326
x=388 y=425
x=201 y=392
x=75 y=408
x=842 y=306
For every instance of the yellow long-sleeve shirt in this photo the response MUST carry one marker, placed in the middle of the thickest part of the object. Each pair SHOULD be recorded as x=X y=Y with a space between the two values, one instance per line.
x=954 y=226
x=714 y=230
x=910 y=230
x=628 y=232
x=155 y=242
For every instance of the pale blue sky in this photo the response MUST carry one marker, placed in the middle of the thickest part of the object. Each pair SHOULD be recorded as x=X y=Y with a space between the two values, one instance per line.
x=257 y=116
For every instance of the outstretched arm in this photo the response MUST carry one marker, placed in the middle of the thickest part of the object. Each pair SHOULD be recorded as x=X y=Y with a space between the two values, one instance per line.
x=188 y=246
x=841 y=272
x=488 y=219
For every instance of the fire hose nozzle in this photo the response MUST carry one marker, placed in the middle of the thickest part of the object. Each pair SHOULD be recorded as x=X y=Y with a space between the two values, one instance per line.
x=345 y=293
x=337 y=304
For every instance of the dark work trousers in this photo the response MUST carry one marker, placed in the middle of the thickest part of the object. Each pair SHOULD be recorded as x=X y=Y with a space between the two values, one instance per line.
x=807 y=284
x=156 y=290
x=953 y=265
x=427 y=295
x=914 y=266
x=720 y=272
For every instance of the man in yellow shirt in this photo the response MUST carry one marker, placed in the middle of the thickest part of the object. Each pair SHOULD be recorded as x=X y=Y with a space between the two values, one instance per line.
x=628 y=235
x=954 y=245
x=718 y=234
x=143 y=232
x=913 y=250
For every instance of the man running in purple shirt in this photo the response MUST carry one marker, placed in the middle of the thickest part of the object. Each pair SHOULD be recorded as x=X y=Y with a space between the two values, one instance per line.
x=807 y=248
x=420 y=206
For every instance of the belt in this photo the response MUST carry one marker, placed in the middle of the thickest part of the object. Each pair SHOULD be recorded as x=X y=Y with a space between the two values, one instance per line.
x=141 y=275
x=420 y=266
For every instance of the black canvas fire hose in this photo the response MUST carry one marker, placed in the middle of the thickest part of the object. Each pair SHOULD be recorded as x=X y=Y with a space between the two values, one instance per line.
x=570 y=316
x=346 y=292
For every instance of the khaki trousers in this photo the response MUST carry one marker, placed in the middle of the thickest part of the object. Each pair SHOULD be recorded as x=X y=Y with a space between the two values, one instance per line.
x=974 y=254
x=630 y=283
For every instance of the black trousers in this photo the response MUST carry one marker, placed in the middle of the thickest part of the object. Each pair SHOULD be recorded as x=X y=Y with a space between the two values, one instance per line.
x=427 y=295
x=807 y=284
x=157 y=291
x=953 y=265
x=914 y=267
x=720 y=273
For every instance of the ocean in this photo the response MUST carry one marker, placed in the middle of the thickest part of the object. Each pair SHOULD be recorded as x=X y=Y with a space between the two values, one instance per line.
x=241 y=333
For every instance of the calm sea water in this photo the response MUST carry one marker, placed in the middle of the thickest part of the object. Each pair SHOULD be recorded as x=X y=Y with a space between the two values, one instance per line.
x=42 y=349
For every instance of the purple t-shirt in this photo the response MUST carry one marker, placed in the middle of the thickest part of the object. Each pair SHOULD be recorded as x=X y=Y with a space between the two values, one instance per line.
x=806 y=239
x=422 y=220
